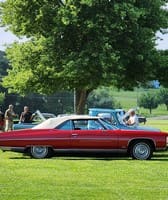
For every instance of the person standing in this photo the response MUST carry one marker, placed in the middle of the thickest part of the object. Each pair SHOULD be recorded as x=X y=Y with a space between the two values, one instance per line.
x=9 y=115
x=26 y=116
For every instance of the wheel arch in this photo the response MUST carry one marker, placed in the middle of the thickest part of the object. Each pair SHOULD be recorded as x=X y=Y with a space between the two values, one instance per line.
x=147 y=140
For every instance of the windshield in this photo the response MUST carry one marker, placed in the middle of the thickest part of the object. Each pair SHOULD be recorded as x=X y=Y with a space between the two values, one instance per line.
x=120 y=118
x=107 y=124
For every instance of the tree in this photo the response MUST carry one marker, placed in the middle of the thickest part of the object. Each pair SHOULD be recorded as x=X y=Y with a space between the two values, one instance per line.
x=100 y=98
x=3 y=64
x=161 y=63
x=81 y=44
x=2 y=97
x=148 y=100
x=3 y=68
x=3 y=71
x=163 y=96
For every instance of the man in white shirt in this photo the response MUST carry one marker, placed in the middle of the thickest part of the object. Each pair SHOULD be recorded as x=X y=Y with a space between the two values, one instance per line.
x=133 y=119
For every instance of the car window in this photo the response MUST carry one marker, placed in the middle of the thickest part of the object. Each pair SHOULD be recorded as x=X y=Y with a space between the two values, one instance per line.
x=108 y=116
x=65 y=126
x=87 y=124
x=80 y=124
x=95 y=125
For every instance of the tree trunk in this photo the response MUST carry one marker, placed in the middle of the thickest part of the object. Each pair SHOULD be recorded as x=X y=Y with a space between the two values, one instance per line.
x=167 y=106
x=81 y=97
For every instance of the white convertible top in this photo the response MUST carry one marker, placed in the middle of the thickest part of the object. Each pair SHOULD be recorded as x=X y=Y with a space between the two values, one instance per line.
x=54 y=122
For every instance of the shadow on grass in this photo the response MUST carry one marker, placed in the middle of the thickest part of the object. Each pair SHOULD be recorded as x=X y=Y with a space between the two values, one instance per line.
x=92 y=156
x=96 y=156
x=160 y=156
x=79 y=156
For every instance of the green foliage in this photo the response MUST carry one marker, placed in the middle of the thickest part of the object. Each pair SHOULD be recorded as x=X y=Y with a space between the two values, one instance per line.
x=3 y=72
x=128 y=99
x=161 y=63
x=163 y=96
x=148 y=100
x=100 y=98
x=81 y=44
x=2 y=97
x=59 y=103
x=3 y=64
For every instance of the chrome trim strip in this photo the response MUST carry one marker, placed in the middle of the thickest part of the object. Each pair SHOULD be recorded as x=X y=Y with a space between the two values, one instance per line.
x=29 y=139
x=90 y=150
x=21 y=149
x=70 y=138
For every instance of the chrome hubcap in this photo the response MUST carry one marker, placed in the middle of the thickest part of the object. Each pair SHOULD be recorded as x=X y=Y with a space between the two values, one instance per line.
x=39 y=151
x=141 y=151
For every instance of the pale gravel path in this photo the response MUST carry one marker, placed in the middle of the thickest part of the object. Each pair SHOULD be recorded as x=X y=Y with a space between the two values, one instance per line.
x=164 y=117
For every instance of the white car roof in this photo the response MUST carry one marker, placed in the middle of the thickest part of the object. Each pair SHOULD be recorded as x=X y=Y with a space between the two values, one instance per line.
x=54 y=122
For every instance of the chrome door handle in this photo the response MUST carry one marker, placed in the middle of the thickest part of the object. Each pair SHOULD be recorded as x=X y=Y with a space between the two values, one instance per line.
x=74 y=134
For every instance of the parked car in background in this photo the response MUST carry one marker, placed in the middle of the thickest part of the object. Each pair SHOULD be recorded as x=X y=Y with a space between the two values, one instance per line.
x=141 y=119
x=115 y=116
x=80 y=133
x=38 y=118
x=48 y=115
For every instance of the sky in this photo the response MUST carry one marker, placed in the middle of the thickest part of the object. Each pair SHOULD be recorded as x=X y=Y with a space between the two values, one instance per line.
x=7 y=38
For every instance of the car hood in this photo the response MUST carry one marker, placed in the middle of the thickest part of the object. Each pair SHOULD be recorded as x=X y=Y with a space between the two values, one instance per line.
x=145 y=128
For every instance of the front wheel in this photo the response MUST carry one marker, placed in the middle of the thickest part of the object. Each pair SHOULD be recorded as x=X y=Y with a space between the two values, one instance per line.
x=141 y=151
x=39 y=152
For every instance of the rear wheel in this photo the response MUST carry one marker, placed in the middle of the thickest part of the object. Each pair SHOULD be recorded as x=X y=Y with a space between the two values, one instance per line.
x=141 y=150
x=40 y=152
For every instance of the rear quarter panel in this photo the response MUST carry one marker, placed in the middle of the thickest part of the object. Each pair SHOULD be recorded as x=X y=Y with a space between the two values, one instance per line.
x=46 y=137
x=127 y=136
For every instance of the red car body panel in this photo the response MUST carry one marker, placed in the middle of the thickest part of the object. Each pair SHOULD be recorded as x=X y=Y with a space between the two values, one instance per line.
x=158 y=138
x=26 y=138
x=94 y=139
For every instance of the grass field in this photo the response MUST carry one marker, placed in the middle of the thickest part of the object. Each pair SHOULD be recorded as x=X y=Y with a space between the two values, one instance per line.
x=83 y=178
x=128 y=99
x=161 y=124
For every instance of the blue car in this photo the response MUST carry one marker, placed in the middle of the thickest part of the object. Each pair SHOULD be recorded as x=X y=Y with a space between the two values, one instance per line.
x=115 y=117
x=39 y=117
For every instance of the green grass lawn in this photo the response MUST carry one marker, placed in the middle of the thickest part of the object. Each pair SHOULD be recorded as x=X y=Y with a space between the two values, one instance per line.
x=161 y=124
x=83 y=177
x=128 y=99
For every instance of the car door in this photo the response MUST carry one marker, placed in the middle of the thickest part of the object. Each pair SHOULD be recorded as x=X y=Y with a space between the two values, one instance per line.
x=60 y=139
x=61 y=136
x=90 y=134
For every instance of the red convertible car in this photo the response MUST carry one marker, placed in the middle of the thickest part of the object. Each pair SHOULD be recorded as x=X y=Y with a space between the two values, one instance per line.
x=83 y=133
